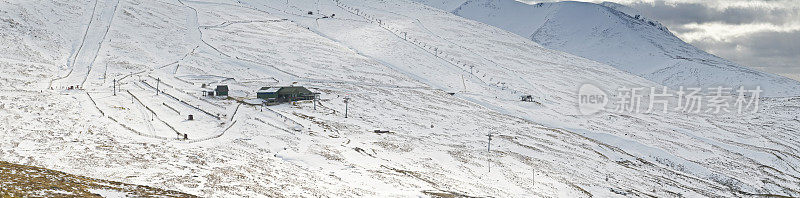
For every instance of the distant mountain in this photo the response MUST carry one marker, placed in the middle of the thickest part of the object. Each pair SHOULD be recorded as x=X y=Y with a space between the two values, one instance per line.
x=621 y=37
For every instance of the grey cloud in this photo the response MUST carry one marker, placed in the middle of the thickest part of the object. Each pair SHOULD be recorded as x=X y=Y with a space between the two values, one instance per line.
x=776 y=52
x=682 y=13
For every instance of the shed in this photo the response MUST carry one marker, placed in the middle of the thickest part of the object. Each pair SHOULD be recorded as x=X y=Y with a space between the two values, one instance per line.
x=221 y=90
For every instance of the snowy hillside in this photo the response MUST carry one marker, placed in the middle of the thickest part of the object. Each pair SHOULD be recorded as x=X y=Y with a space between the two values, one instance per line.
x=437 y=82
x=621 y=37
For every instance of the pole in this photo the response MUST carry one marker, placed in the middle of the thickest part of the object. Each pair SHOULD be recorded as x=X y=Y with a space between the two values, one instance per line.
x=464 y=83
x=158 y=82
x=346 y=101
x=489 y=148
x=114 y=86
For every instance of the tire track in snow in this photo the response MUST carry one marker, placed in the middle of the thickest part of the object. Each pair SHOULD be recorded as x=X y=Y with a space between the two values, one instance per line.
x=71 y=64
x=81 y=57
x=110 y=21
x=293 y=77
x=194 y=21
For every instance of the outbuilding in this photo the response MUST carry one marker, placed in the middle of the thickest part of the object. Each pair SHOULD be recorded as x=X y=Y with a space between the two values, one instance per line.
x=221 y=90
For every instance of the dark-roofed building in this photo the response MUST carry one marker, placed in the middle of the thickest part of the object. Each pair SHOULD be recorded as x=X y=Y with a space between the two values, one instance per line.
x=285 y=94
x=221 y=90
x=268 y=93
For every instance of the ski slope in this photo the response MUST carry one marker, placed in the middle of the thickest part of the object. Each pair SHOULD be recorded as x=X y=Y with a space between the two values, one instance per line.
x=619 y=36
x=438 y=82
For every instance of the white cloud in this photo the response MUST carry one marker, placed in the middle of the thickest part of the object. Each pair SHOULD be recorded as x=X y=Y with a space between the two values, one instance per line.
x=724 y=32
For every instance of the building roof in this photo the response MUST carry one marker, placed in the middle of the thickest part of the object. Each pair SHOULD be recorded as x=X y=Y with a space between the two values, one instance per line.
x=269 y=89
x=294 y=90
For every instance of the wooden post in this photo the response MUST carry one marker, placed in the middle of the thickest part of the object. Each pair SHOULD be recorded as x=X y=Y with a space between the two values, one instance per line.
x=158 y=81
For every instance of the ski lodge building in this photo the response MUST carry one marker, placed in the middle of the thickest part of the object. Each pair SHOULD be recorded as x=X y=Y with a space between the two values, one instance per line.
x=285 y=94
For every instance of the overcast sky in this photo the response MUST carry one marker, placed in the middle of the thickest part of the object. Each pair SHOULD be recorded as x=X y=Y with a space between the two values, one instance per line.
x=763 y=34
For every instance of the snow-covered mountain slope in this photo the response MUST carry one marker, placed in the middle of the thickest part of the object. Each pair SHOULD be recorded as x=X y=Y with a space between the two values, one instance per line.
x=28 y=30
x=621 y=37
x=438 y=82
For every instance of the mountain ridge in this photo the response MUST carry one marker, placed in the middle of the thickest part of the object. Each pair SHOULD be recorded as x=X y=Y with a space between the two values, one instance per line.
x=622 y=37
